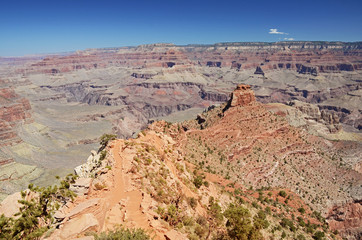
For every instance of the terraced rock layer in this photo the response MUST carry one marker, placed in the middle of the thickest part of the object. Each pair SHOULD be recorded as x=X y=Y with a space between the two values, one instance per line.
x=14 y=111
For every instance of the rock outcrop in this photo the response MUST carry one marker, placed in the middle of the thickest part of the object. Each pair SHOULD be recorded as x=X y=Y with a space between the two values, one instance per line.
x=14 y=110
x=347 y=219
x=241 y=96
x=258 y=70
x=308 y=70
x=329 y=119
x=93 y=165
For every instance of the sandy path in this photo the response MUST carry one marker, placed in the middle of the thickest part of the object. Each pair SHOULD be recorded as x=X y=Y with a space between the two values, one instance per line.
x=131 y=215
x=118 y=189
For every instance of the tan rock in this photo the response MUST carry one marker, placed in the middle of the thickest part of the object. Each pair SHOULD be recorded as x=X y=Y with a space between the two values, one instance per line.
x=83 y=207
x=81 y=186
x=79 y=225
x=173 y=235
x=84 y=238
x=10 y=205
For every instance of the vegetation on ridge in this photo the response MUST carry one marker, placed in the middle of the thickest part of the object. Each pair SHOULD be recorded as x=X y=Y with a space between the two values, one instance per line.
x=36 y=214
x=122 y=233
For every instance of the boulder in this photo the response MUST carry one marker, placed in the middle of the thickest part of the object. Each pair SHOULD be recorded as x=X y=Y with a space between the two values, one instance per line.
x=173 y=235
x=82 y=207
x=81 y=186
x=10 y=205
x=85 y=170
x=78 y=226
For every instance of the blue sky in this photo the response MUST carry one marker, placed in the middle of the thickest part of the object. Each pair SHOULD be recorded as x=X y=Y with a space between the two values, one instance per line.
x=31 y=26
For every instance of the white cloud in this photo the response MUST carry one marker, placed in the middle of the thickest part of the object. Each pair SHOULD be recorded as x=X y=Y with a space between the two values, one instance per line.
x=289 y=39
x=275 y=31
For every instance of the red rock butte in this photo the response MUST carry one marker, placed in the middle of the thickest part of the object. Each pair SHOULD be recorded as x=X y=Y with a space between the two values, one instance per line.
x=242 y=95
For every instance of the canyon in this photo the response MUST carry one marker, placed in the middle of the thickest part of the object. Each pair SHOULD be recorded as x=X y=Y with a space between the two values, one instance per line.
x=54 y=108
x=236 y=147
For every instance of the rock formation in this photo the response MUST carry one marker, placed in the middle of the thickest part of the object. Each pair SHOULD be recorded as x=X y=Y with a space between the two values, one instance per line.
x=347 y=219
x=258 y=70
x=14 y=111
x=243 y=95
x=330 y=119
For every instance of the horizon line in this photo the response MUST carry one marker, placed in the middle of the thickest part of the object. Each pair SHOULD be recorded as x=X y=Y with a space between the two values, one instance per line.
x=182 y=45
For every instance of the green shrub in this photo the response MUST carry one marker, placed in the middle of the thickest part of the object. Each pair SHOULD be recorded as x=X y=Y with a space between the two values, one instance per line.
x=318 y=235
x=198 y=181
x=188 y=221
x=260 y=221
x=215 y=213
x=268 y=210
x=238 y=222
x=201 y=220
x=255 y=205
x=301 y=221
x=300 y=237
x=301 y=210
x=282 y=194
x=192 y=202
x=288 y=223
x=123 y=234
x=104 y=139
x=103 y=155
x=200 y=230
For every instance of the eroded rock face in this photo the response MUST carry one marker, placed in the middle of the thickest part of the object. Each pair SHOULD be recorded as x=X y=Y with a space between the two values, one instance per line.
x=14 y=110
x=92 y=167
x=258 y=70
x=308 y=70
x=304 y=57
x=330 y=119
x=347 y=219
x=81 y=186
x=242 y=95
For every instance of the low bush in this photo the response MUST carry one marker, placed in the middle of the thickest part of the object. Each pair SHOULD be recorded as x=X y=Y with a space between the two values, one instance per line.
x=35 y=216
x=123 y=234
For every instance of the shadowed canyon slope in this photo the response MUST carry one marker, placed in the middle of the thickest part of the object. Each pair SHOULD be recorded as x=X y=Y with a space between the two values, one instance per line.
x=76 y=97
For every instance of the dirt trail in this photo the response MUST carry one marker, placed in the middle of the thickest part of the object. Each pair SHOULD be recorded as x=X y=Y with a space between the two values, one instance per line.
x=121 y=204
x=118 y=189
x=133 y=216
